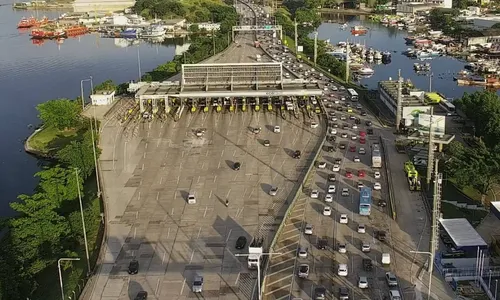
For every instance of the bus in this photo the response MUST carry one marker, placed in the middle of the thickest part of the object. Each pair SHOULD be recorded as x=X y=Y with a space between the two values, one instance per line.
x=376 y=156
x=353 y=94
x=365 y=201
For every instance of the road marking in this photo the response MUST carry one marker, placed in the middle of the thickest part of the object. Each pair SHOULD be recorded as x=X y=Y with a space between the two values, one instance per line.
x=142 y=167
x=203 y=165
x=135 y=232
x=218 y=167
x=172 y=212
x=139 y=196
x=222 y=153
x=228 y=192
x=168 y=233
x=237 y=279
x=163 y=257
x=284 y=261
x=229 y=235
x=158 y=143
x=137 y=215
x=157 y=196
x=183 y=284
x=182 y=154
x=204 y=214
x=192 y=255
x=161 y=179
x=178 y=179
x=199 y=231
x=157 y=286
x=198 y=181
x=210 y=196
x=166 y=155
x=215 y=179
x=234 y=153
x=281 y=279
x=234 y=179
x=206 y=154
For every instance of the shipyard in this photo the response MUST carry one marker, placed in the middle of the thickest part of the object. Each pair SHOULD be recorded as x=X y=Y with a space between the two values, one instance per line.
x=251 y=150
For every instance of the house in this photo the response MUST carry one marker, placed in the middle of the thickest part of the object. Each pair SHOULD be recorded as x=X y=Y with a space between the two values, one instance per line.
x=103 y=98
x=173 y=24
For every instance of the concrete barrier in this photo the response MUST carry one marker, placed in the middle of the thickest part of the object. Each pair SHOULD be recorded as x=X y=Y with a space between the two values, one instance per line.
x=392 y=203
x=298 y=193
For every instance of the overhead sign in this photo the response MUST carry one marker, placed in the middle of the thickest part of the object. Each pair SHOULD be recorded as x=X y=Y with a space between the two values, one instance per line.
x=255 y=28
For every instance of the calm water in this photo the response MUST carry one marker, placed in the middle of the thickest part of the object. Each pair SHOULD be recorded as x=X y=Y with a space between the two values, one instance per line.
x=31 y=74
x=391 y=39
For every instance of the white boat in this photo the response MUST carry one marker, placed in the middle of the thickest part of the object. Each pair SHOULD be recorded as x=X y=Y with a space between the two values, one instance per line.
x=344 y=26
x=365 y=71
x=377 y=55
x=154 y=31
x=369 y=57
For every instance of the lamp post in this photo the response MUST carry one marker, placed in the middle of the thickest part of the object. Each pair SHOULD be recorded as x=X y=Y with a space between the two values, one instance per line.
x=83 y=221
x=496 y=288
x=60 y=273
x=92 y=132
x=258 y=267
x=431 y=268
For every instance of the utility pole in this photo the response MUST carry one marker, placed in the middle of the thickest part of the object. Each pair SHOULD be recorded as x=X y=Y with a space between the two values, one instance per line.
x=399 y=104
x=436 y=215
x=213 y=40
x=83 y=222
x=430 y=82
x=296 y=36
x=430 y=155
x=347 y=62
x=315 y=47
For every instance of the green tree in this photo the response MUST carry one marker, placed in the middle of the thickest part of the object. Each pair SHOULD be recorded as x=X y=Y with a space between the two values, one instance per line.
x=59 y=184
x=60 y=113
x=38 y=232
x=79 y=154
x=483 y=109
x=478 y=167
x=444 y=19
x=107 y=85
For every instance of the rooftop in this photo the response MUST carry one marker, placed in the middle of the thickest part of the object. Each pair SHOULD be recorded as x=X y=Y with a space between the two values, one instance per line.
x=409 y=97
x=462 y=233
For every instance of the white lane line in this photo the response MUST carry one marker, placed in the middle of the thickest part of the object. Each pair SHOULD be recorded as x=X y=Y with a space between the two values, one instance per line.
x=146 y=146
x=229 y=235
x=172 y=212
x=228 y=192
x=218 y=166
x=199 y=231
x=144 y=156
x=178 y=179
x=157 y=196
x=234 y=153
x=157 y=143
x=210 y=194
x=222 y=153
x=157 y=286
x=142 y=167
x=163 y=257
x=281 y=279
x=205 y=213
x=192 y=255
x=135 y=232
x=183 y=284
x=139 y=196
x=198 y=181
x=168 y=233
x=203 y=165
x=237 y=279
x=282 y=262
x=161 y=179
x=215 y=179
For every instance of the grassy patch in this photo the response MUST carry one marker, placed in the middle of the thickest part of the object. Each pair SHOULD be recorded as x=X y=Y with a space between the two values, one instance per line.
x=73 y=277
x=50 y=138
x=471 y=193
x=450 y=211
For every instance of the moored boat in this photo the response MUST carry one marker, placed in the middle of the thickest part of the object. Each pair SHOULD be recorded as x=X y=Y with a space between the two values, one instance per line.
x=154 y=31
x=26 y=23
x=488 y=81
x=129 y=33
x=75 y=31
x=365 y=71
x=47 y=34
x=359 y=30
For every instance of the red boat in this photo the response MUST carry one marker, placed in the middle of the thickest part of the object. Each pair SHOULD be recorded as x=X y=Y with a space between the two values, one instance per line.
x=76 y=30
x=359 y=30
x=27 y=22
x=47 y=34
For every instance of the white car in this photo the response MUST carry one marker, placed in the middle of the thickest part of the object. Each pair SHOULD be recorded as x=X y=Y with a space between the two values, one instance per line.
x=302 y=252
x=365 y=247
x=363 y=282
x=314 y=125
x=356 y=159
x=331 y=188
x=360 y=185
x=329 y=198
x=345 y=192
x=377 y=186
x=376 y=175
x=342 y=248
x=344 y=219
x=333 y=119
x=314 y=194
x=343 y=135
x=354 y=137
x=336 y=168
x=327 y=211
x=342 y=271
x=333 y=131
x=362 y=150
x=308 y=229
x=361 y=228
x=322 y=165
x=277 y=129
x=354 y=126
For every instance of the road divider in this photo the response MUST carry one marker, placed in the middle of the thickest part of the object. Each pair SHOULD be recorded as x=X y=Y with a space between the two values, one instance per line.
x=390 y=187
x=296 y=195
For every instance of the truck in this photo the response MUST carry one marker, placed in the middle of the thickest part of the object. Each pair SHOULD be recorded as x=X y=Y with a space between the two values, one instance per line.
x=376 y=156
x=258 y=57
x=255 y=250
x=412 y=176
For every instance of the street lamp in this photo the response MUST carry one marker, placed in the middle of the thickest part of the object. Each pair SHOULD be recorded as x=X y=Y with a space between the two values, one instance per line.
x=431 y=268
x=83 y=221
x=92 y=132
x=60 y=273
x=258 y=266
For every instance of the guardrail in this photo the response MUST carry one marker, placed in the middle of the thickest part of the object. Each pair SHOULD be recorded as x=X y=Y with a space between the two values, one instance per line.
x=296 y=196
x=392 y=203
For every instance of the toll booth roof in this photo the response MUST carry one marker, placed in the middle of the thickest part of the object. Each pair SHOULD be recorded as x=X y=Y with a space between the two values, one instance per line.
x=462 y=233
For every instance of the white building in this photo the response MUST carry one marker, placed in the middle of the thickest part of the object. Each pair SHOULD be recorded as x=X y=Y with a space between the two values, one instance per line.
x=103 y=98
x=208 y=26
x=173 y=24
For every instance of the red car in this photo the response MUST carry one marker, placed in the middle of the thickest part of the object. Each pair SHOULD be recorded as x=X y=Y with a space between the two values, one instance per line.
x=362 y=134
x=352 y=148
x=361 y=173
x=362 y=140
x=348 y=174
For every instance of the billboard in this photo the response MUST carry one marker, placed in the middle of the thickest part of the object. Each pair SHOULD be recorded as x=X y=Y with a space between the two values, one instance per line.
x=438 y=123
x=411 y=113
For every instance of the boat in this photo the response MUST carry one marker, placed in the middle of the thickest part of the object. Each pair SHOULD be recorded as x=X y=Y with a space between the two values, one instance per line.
x=359 y=30
x=75 y=31
x=386 y=55
x=422 y=67
x=129 y=33
x=422 y=42
x=47 y=34
x=377 y=55
x=343 y=26
x=365 y=71
x=154 y=31
x=26 y=23
x=488 y=81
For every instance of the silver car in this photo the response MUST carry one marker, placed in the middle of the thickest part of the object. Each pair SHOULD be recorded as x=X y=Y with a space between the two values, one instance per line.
x=303 y=271
x=273 y=191
x=198 y=284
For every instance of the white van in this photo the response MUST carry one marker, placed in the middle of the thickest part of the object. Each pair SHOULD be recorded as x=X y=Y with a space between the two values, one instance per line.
x=386 y=258
x=191 y=199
